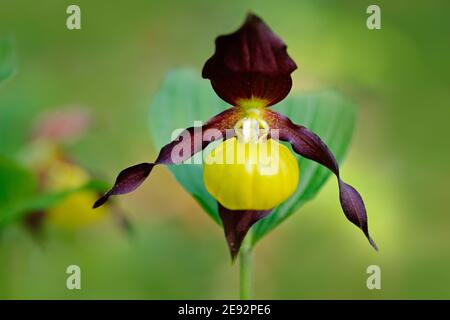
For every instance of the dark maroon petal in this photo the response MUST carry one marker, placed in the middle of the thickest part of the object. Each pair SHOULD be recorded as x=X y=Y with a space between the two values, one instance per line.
x=236 y=224
x=354 y=208
x=189 y=142
x=309 y=145
x=127 y=181
x=250 y=63
x=195 y=139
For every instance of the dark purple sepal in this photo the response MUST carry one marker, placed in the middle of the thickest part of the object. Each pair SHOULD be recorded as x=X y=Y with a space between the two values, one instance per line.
x=188 y=143
x=195 y=139
x=250 y=63
x=236 y=224
x=354 y=209
x=127 y=181
x=309 y=145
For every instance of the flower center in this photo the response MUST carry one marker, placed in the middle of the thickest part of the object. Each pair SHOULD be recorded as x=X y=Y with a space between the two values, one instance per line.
x=252 y=127
x=253 y=103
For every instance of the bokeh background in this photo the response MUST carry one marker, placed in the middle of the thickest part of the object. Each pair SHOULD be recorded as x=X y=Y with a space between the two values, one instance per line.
x=399 y=159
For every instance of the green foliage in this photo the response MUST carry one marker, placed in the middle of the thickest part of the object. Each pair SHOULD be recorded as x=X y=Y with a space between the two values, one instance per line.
x=20 y=196
x=16 y=183
x=7 y=61
x=184 y=98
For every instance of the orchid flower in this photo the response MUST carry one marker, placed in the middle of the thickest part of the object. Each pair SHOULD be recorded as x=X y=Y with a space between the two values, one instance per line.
x=58 y=173
x=251 y=71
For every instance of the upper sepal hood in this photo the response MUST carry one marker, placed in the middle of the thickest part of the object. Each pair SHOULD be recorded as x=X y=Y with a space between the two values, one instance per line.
x=250 y=64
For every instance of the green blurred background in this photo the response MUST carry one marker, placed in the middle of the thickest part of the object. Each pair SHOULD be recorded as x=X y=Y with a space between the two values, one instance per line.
x=399 y=159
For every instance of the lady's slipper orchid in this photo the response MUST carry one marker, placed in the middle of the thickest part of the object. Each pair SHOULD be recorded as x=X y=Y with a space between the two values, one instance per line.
x=57 y=172
x=250 y=70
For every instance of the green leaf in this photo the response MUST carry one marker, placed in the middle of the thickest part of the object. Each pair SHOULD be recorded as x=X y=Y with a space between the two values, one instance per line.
x=43 y=201
x=16 y=182
x=7 y=60
x=184 y=98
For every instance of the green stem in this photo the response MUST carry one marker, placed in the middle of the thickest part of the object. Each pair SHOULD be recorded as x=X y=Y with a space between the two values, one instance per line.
x=245 y=261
